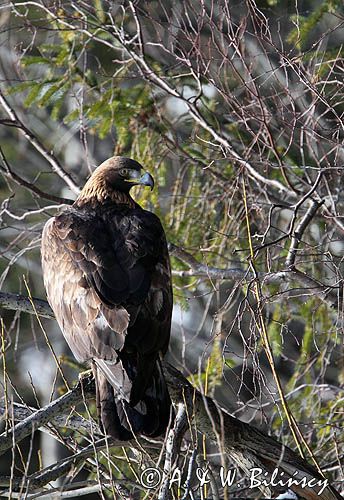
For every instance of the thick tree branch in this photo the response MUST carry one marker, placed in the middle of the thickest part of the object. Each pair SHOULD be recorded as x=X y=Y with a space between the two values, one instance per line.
x=199 y=269
x=331 y=295
x=56 y=413
x=21 y=412
x=46 y=414
x=16 y=302
x=261 y=124
x=78 y=489
x=36 y=481
x=173 y=443
x=247 y=446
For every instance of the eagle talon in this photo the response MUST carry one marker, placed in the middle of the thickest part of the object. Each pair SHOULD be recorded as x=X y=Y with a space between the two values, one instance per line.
x=87 y=383
x=85 y=374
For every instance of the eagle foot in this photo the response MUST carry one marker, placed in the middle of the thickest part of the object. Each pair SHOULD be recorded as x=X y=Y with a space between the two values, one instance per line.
x=86 y=382
x=85 y=374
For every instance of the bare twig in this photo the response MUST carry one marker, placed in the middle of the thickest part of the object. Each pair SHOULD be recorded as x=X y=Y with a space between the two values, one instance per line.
x=9 y=172
x=247 y=446
x=330 y=294
x=55 y=165
x=298 y=233
x=247 y=107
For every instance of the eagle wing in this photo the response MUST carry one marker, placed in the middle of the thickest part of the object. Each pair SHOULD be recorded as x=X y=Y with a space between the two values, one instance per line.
x=106 y=275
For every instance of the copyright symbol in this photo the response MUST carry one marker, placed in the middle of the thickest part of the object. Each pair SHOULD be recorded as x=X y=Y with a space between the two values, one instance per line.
x=150 y=478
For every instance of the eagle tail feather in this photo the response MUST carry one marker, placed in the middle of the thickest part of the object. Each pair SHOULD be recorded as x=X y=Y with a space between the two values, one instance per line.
x=120 y=418
x=108 y=416
x=142 y=380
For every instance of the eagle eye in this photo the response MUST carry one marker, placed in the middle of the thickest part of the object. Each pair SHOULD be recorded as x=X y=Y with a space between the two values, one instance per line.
x=124 y=172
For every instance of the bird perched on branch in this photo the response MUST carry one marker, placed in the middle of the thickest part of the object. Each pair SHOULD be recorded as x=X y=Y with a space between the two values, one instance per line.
x=107 y=275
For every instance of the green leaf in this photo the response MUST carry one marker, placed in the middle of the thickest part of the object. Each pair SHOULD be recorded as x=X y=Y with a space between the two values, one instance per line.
x=32 y=95
x=105 y=127
x=300 y=35
x=274 y=330
x=99 y=11
x=63 y=54
x=55 y=112
x=53 y=93
x=29 y=60
x=72 y=116
x=101 y=106
x=19 y=87
x=230 y=363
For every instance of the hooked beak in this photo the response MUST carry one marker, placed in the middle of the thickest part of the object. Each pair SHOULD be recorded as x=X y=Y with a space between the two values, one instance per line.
x=147 y=180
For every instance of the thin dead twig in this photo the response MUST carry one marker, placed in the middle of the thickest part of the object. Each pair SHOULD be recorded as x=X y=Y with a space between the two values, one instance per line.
x=298 y=233
x=9 y=172
x=330 y=294
x=54 y=163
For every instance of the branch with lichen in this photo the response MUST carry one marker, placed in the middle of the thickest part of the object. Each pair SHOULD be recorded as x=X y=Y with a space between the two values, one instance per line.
x=44 y=415
x=247 y=446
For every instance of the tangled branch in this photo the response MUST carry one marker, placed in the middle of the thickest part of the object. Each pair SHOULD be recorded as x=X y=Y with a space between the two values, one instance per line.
x=247 y=446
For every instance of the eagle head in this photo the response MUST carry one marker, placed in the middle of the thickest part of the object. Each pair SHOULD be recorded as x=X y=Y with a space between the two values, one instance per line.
x=113 y=179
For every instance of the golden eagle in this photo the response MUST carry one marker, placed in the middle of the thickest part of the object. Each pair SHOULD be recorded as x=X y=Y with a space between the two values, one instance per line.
x=107 y=275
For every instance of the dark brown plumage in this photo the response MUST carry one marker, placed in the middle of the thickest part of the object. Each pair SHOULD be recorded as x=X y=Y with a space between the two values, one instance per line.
x=107 y=275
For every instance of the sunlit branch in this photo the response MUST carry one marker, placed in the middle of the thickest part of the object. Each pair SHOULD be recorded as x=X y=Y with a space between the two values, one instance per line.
x=17 y=123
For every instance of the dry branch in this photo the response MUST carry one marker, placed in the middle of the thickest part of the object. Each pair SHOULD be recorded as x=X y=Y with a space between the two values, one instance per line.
x=11 y=174
x=298 y=233
x=330 y=294
x=46 y=414
x=257 y=158
x=20 y=412
x=173 y=444
x=56 y=413
x=17 y=302
x=247 y=446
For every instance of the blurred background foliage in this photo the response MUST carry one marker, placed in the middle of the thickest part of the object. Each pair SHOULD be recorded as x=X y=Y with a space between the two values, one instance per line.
x=237 y=111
